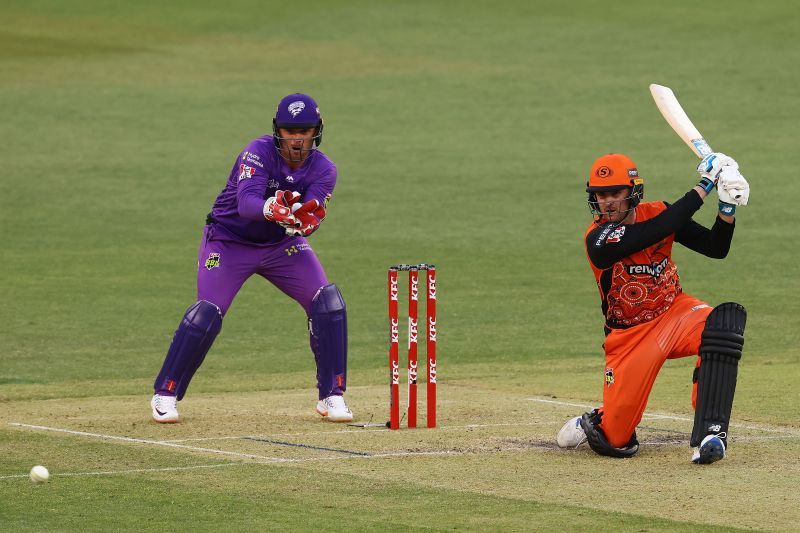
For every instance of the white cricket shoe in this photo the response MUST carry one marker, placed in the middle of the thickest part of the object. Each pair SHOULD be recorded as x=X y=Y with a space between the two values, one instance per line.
x=334 y=409
x=711 y=450
x=571 y=434
x=165 y=409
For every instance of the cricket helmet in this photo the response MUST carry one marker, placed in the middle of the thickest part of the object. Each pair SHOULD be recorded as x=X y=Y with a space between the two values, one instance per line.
x=614 y=172
x=297 y=111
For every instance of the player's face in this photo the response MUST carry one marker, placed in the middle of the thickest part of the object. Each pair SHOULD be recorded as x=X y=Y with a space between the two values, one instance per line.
x=614 y=205
x=296 y=143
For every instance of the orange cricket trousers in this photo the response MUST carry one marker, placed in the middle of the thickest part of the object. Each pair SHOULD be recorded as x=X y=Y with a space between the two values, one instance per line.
x=635 y=355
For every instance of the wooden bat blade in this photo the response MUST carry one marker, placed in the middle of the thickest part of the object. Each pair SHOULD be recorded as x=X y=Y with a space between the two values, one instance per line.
x=676 y=117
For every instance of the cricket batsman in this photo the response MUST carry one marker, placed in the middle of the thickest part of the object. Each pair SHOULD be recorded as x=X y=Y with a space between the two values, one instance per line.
x=648 y=318
x=275 y=196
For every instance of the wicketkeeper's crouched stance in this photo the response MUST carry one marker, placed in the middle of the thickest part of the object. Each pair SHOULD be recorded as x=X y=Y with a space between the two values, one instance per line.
x=648 y=318
x=275 y=196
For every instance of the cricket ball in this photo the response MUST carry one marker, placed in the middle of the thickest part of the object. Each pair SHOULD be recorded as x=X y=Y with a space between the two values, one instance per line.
x=39 y=474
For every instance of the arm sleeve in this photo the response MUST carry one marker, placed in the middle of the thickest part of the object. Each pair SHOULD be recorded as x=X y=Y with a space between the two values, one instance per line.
x=251 y=187
x=609 y=242
x=714 y=242
x=322 y=188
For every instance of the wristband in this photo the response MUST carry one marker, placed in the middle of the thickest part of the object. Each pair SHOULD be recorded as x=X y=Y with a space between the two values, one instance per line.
x=727 y=209
x=706 y=184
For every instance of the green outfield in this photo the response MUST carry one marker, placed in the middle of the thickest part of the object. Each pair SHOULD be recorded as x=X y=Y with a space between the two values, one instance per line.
x=463 y=133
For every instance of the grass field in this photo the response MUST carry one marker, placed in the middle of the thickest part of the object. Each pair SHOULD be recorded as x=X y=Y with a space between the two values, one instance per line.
x=463 y=133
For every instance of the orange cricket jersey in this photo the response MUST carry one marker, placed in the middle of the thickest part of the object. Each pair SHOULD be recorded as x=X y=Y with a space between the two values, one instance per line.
x=641 y=286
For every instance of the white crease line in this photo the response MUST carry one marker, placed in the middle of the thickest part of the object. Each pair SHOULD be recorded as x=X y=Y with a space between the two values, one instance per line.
x=258 y=458
x=132 y=471
x=147 y=441
x=362 y=431
x=655 y=416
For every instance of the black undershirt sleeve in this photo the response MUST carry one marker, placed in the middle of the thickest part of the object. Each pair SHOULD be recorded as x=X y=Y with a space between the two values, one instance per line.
x=632 y=238
x=714 y=242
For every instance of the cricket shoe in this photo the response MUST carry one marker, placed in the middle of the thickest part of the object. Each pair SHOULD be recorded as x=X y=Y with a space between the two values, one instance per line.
x=571 y=434
x=711 y=450
x=165 y=409
x=334 y=409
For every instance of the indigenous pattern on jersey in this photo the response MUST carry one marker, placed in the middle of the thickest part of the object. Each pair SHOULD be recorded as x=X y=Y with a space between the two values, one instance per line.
x=640 y=286
x=258 y=172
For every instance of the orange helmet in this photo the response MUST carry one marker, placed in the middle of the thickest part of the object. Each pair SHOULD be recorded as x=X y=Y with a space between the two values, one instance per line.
x=614 y=172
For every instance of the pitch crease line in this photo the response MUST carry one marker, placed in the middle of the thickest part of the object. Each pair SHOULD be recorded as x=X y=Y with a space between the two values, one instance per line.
x=150 y=442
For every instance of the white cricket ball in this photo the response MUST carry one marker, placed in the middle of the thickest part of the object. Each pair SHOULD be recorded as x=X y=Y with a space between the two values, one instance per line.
x=296 y=206
x=39 y=474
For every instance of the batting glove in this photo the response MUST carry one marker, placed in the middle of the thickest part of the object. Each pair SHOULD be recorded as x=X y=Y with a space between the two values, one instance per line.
x=732 y=188
x=710 y=168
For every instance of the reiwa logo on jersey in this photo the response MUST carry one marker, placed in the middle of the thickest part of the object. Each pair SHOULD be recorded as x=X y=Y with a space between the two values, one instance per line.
x=295 y=108
x=653 y=269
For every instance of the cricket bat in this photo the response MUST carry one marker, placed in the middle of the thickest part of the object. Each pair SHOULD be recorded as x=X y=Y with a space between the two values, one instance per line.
x=676 y=117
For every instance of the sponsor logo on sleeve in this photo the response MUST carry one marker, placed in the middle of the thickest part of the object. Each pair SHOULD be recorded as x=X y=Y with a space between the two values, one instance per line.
x=603 y=234
x=616 y=235
x=245 y=172
x=250 y=157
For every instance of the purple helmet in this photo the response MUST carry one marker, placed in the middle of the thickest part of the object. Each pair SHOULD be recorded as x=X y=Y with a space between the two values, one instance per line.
x=297 y=111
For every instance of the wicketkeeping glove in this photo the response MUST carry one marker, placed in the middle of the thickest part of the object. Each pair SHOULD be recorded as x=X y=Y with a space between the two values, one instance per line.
x=710 y=167
x=309 y=216
x=278 y=208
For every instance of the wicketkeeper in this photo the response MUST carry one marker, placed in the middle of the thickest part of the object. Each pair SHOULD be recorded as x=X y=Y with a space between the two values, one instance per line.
x=275 y=196
x=648 y=318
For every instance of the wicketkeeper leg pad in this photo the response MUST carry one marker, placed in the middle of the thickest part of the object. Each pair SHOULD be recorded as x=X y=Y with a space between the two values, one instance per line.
x=597 y=439
x=196 y=333
x=327 y=325
x=720 y=351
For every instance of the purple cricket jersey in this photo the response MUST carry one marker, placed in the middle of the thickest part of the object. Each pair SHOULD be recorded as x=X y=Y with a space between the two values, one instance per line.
x=259 y=171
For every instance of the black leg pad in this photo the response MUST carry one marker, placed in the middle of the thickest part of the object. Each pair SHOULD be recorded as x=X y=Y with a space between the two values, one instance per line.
x=720 y=351
x=597 y=439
